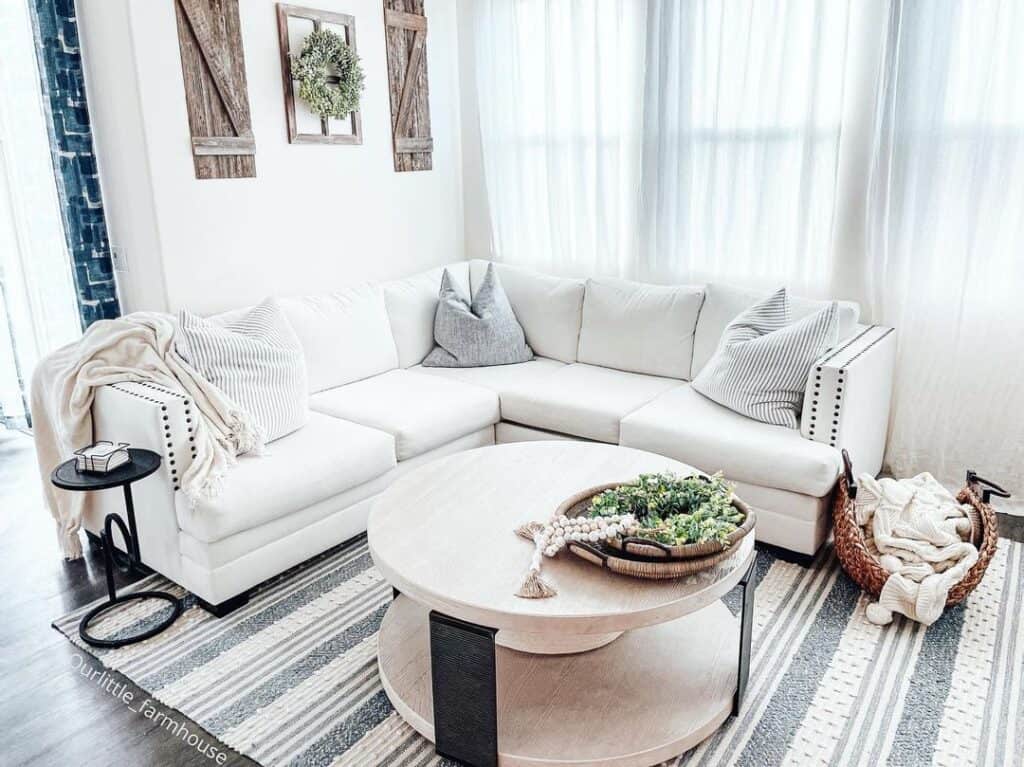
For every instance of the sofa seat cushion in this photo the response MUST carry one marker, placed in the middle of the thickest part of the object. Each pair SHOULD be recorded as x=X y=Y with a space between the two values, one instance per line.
x=582 y=400
x=499 y=378
x=684 y=425
x=324 y=458
x=421 y=412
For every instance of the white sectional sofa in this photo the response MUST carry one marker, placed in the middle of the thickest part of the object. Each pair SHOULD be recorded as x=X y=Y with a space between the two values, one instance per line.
x=613 y=364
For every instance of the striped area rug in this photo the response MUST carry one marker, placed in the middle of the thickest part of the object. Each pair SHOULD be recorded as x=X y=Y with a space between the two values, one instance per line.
x=291 y=678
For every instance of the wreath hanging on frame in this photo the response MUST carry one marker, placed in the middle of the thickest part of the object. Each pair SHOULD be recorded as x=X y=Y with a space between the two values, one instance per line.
x=321 y=51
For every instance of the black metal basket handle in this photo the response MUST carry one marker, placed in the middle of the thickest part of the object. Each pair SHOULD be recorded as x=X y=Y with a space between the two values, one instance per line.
x=851 y=484
x=989 y=488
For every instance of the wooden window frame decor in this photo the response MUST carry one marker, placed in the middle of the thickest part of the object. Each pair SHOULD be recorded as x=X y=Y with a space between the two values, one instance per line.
x=319 y=18
x=408 y=84
x=216 y=93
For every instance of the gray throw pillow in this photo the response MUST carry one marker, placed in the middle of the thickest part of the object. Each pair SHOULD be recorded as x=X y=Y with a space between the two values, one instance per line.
x=484 y=332
x=760 y=367
x=256 y=360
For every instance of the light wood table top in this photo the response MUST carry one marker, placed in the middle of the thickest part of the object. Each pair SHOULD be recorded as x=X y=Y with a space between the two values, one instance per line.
x=444 y=536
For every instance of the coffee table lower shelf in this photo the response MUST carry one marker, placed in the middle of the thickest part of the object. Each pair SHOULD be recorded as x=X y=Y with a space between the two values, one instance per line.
x=645 y=697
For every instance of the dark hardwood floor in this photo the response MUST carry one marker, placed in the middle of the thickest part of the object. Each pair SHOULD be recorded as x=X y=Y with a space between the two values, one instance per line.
x=50 y=714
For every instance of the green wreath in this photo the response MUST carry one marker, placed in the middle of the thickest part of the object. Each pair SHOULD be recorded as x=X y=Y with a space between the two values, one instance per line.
x=322 y=50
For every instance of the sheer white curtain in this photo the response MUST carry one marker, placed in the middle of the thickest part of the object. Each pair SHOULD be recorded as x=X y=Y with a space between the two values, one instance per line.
x=663 y=140
x=559 y=87
x=742 y=111
x=946 y=236
x=38 y=307
x=870 y=150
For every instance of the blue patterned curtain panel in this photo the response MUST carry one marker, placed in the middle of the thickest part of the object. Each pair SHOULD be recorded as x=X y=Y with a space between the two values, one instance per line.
x=74 y=160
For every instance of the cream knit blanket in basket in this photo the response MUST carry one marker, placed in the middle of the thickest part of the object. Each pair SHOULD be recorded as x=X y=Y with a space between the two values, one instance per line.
x=917 y=531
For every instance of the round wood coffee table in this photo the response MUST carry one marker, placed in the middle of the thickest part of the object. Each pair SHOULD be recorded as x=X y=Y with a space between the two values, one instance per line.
x=611 y=671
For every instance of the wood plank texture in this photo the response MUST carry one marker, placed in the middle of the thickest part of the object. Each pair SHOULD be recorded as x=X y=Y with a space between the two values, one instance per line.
x=51 y=712
x=646 y=697
x=318 y=17
x=216 y=92
x=405 y=30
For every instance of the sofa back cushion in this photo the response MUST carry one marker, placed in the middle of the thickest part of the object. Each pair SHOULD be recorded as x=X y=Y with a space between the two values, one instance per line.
x=345 y=335
x=549 y=308
x=411 y=304
x=723 y=303
x=638 y=327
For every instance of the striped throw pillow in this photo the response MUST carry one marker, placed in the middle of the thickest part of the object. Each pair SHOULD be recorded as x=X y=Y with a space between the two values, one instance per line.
x=761 y=364
x=256 y=360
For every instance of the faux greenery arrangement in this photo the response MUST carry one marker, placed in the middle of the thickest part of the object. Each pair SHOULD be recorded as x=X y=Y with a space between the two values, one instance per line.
x=322 y=50
x=674 y=510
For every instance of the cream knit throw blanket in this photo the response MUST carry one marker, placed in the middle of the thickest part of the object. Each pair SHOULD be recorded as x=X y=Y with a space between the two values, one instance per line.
x=917 y=531
x=137 y=347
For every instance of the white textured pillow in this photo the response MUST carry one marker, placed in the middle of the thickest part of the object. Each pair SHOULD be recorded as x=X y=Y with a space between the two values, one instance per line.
x=761 y=365
x=256 y=360
x=478 y=333
x=640 y=328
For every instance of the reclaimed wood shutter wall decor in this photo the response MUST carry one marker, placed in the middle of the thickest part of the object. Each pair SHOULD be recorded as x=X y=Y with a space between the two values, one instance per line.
x=213 y=65
x=318 y=18
x=405 y=29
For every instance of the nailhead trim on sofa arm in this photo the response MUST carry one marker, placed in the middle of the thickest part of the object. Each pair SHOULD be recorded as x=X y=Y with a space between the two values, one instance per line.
x=154 y=417
x=849 y=384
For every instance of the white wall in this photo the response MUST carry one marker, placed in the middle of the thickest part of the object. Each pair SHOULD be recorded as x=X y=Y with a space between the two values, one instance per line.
x=315 y=218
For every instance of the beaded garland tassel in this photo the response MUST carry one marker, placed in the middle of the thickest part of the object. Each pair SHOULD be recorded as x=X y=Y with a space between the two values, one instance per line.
x=551 y=537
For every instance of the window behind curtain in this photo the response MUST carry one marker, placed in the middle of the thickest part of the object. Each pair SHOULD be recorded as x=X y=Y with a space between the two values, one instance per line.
x=663 y=140
x=946 y=236
x=742 y=111
x=38 y=308
x=560 y=85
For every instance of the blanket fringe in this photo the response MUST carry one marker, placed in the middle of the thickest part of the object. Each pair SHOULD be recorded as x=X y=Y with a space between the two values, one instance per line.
x=70 y=544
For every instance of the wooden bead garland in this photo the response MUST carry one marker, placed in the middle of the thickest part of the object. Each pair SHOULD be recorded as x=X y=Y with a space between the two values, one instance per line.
x=550 y=538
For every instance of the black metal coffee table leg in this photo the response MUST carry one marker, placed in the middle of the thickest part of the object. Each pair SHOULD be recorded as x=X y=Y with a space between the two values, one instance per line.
x=746 y=625
x=464 y=674
x=110 y=562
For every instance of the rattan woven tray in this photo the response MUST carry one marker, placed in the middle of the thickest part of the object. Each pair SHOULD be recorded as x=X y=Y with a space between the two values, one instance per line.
x=638 y=567
x=644 y=558
x=578 y=504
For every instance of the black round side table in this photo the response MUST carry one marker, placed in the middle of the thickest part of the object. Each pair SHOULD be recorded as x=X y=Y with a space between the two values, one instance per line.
x=68 y=477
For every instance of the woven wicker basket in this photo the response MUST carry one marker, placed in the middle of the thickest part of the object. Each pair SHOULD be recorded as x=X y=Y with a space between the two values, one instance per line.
x=865 y=570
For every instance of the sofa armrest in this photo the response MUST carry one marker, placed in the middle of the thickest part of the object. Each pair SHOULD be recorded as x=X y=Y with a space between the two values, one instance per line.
x=846 y=403
x=150 y=416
